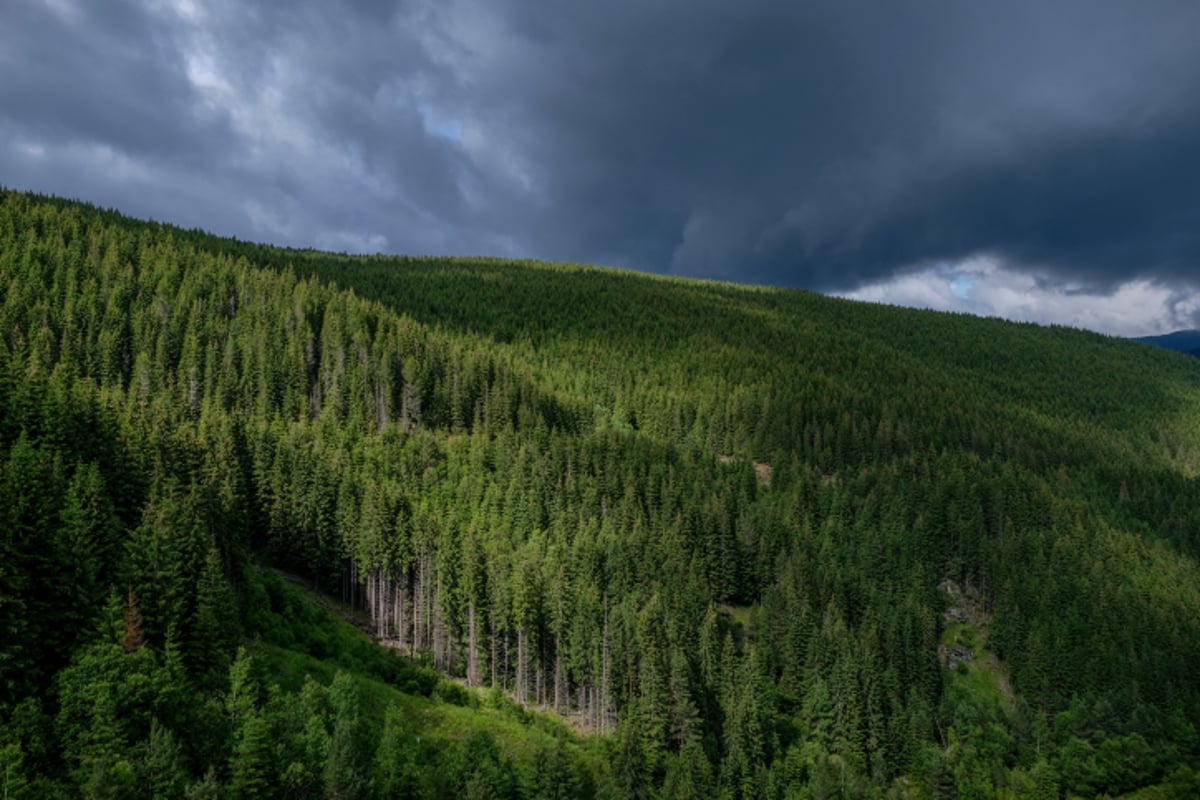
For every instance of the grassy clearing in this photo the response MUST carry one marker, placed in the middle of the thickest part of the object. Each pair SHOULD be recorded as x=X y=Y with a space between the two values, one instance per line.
x=301 y=635
x=982 y=681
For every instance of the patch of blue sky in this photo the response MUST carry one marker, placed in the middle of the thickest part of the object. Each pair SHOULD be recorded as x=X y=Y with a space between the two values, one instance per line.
x=450 y=129
x=962 y=284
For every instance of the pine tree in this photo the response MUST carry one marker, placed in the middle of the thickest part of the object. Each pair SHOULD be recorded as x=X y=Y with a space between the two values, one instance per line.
x=351 y=751
x=161 y=770
x=250 y=768
x=216 y=625
x=686 y=724
x=243 y=696
x=13 y=783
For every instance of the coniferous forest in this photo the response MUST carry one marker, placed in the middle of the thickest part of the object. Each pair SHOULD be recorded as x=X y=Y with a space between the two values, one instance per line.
x=283 y=523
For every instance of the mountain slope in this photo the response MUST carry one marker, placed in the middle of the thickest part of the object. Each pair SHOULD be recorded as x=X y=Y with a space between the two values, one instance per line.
x=1181 y=341
x=708 y=522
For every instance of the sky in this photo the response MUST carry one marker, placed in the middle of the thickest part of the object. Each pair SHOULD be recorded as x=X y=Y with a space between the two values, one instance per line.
x=1033 y=160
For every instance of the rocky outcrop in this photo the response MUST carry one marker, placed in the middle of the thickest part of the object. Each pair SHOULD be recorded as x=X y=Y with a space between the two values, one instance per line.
x=954 y=655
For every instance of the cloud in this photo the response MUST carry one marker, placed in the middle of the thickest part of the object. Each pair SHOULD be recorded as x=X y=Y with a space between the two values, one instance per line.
x=985 y=287
x=828 y=146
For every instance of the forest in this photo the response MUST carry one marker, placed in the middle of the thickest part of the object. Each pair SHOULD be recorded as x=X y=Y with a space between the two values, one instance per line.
x=286 y=523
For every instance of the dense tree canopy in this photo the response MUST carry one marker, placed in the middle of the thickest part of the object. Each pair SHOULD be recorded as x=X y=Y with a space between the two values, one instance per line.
x=730 y=533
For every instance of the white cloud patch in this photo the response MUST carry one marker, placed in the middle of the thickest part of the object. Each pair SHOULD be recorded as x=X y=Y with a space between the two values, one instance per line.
x=986 y=287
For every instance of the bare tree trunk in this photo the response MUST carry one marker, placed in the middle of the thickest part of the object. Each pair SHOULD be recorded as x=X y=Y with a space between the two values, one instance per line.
x=558 y=673
x=419 y=606
x=427 y=602
x=367 y=598
x=507 y=661
x=410 y=615
x=386 y=612
x=593 y=708
x=495 y=639
x=472 y=655
x=603 y=688
x=401 y=616
x=521 y=665
x=539 y=696
x=398 y=610
x=369 y=601
x=443 y=647
x=380 y=606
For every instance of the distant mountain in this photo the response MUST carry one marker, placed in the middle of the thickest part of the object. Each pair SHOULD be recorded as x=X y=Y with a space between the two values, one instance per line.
x=1181 y=341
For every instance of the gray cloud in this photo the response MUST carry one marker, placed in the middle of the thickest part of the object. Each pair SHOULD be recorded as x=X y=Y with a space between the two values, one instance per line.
x=1139 y=307
x=825 y=145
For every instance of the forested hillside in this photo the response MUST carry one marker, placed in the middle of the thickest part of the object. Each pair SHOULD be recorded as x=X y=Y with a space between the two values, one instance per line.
x=1180 y=341
x=746 y=542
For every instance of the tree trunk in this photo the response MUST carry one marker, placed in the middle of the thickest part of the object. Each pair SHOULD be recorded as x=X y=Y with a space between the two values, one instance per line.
x=495 y=660
x=521 y=665
x=441 y=641
x=539 y=683
x=603 y=688
x=558 y=674
x=472 y=654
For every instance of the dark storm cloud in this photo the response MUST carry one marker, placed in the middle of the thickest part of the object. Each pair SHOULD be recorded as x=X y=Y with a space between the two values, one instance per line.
x=1093 y=210
x=77 y=75
x=278 y=122
x=827 y=145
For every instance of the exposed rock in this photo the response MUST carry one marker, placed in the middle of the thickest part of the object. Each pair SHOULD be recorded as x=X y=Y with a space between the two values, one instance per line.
x=966 y=603
x=954 y=655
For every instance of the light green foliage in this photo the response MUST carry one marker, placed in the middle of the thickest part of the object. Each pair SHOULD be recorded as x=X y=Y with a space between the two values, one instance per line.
x=350 y=745
x=162 y=771
x=251 y=769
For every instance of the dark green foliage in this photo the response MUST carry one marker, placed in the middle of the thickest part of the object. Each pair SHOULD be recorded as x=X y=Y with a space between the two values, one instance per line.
x=708 y=522
x=216 y=629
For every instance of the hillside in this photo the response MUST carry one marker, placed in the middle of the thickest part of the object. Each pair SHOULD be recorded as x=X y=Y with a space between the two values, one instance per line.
x=1180 y=341
x=710 y=526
